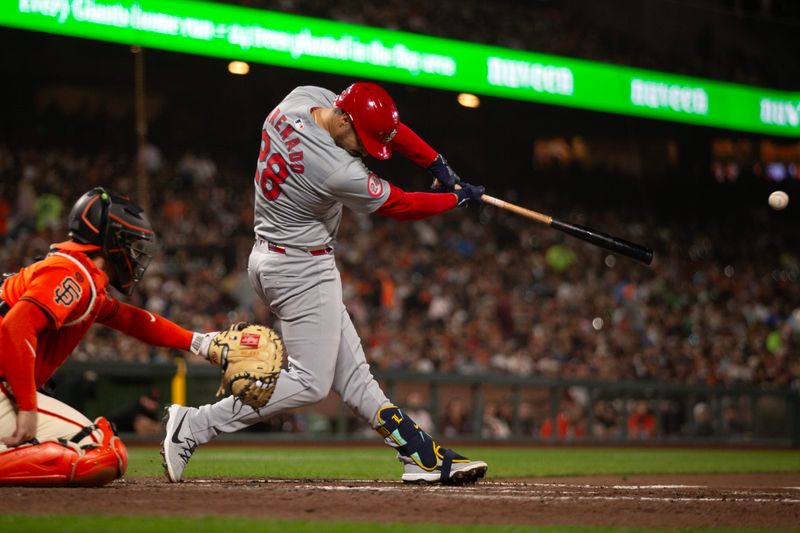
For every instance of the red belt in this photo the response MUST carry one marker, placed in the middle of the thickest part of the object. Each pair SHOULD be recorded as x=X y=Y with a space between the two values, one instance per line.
x=320 y=250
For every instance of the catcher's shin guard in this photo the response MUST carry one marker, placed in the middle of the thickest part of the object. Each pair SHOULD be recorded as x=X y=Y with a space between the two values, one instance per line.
x=49 y=464
x=101 y=464
x=423 y=460
x=64 y=463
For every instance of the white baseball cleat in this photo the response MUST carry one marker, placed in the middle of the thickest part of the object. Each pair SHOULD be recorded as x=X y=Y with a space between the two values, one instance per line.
x=452 y=469
x=179 y=444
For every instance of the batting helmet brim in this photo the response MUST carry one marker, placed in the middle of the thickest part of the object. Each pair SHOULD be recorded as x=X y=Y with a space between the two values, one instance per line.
x=375 y=148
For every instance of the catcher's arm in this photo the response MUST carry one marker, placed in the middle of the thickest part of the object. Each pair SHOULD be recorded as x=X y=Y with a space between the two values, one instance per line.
x=18 y=338
x=145 y=326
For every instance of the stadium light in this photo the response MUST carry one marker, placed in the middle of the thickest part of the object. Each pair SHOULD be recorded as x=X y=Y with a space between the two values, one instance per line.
x=469 y=100
x=240 y=68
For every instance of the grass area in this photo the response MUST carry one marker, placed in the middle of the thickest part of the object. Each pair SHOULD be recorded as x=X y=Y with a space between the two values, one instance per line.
x=380 y=463
x=139 y=524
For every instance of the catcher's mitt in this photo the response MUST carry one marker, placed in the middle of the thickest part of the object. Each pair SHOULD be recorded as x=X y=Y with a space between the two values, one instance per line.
x=250 y=357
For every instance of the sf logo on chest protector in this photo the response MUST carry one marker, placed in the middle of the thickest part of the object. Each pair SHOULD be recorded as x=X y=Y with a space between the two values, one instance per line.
x=68 y=292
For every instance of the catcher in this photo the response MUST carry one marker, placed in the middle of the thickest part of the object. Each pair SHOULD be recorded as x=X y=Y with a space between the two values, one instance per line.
x=45 y=310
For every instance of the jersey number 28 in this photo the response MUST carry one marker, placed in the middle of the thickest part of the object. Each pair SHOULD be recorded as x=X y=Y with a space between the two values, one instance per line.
x=274 y=173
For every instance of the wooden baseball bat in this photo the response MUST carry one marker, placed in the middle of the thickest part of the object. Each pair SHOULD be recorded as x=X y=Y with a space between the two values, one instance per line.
x=614 y=244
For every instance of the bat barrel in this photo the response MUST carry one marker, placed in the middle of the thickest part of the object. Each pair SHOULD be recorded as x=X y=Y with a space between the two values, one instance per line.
x=614 y=244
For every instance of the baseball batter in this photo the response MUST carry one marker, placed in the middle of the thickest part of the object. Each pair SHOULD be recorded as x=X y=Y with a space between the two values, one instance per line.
x=45 y=310
x=310 y=166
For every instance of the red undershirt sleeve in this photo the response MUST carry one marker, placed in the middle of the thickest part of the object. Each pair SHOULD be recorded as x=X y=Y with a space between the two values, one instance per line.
x=413 y=147
x=18 y=337
x=148 y=327
x=401 y=205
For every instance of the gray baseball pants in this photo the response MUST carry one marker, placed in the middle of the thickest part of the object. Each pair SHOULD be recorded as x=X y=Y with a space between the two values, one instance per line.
x=305 y=293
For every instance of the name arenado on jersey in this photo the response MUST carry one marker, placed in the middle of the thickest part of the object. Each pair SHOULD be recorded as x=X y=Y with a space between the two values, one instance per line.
x=276 y=120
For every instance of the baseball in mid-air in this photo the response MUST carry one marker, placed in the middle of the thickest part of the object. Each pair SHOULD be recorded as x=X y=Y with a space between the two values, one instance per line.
x=778 y=200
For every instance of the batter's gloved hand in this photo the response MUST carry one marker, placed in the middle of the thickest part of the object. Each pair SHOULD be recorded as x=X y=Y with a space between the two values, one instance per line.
x=444 y=177
x=469 y=194
x=250 y=358
x=201 y=342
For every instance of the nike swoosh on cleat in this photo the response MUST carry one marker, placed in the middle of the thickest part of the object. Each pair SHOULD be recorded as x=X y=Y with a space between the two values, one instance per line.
x=152 y=318
x=178 y=430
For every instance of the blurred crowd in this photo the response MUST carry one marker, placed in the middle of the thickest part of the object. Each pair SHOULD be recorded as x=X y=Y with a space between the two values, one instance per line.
x=604 y=418
x=479 y=291
x=722 y=39
x=471 y=291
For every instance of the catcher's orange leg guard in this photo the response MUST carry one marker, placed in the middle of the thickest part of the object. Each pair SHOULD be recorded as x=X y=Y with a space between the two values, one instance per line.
x=114 y=443
x=101 y=464
x=61 y=464
x=49 y=464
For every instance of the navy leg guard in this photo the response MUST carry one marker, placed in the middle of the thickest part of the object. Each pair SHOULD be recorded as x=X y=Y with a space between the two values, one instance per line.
x=400 y=432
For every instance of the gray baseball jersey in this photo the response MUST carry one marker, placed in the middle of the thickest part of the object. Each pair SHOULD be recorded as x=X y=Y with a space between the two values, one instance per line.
x=303 y=178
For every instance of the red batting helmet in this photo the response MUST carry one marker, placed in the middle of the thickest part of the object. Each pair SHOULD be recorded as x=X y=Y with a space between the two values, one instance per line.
x=373 y=114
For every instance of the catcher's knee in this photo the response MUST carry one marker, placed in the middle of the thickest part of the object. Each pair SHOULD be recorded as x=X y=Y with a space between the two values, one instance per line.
x=63 y=463
x=100 y=465
x=104 y=463
x=112 y=442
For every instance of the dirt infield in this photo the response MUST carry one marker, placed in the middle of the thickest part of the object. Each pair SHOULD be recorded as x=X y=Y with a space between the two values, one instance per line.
x=766 y=500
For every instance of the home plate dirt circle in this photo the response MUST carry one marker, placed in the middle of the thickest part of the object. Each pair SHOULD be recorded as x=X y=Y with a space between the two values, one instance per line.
x=763 y=500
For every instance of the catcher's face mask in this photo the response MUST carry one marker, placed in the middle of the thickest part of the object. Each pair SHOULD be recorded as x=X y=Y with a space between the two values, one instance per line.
x=128 y=255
